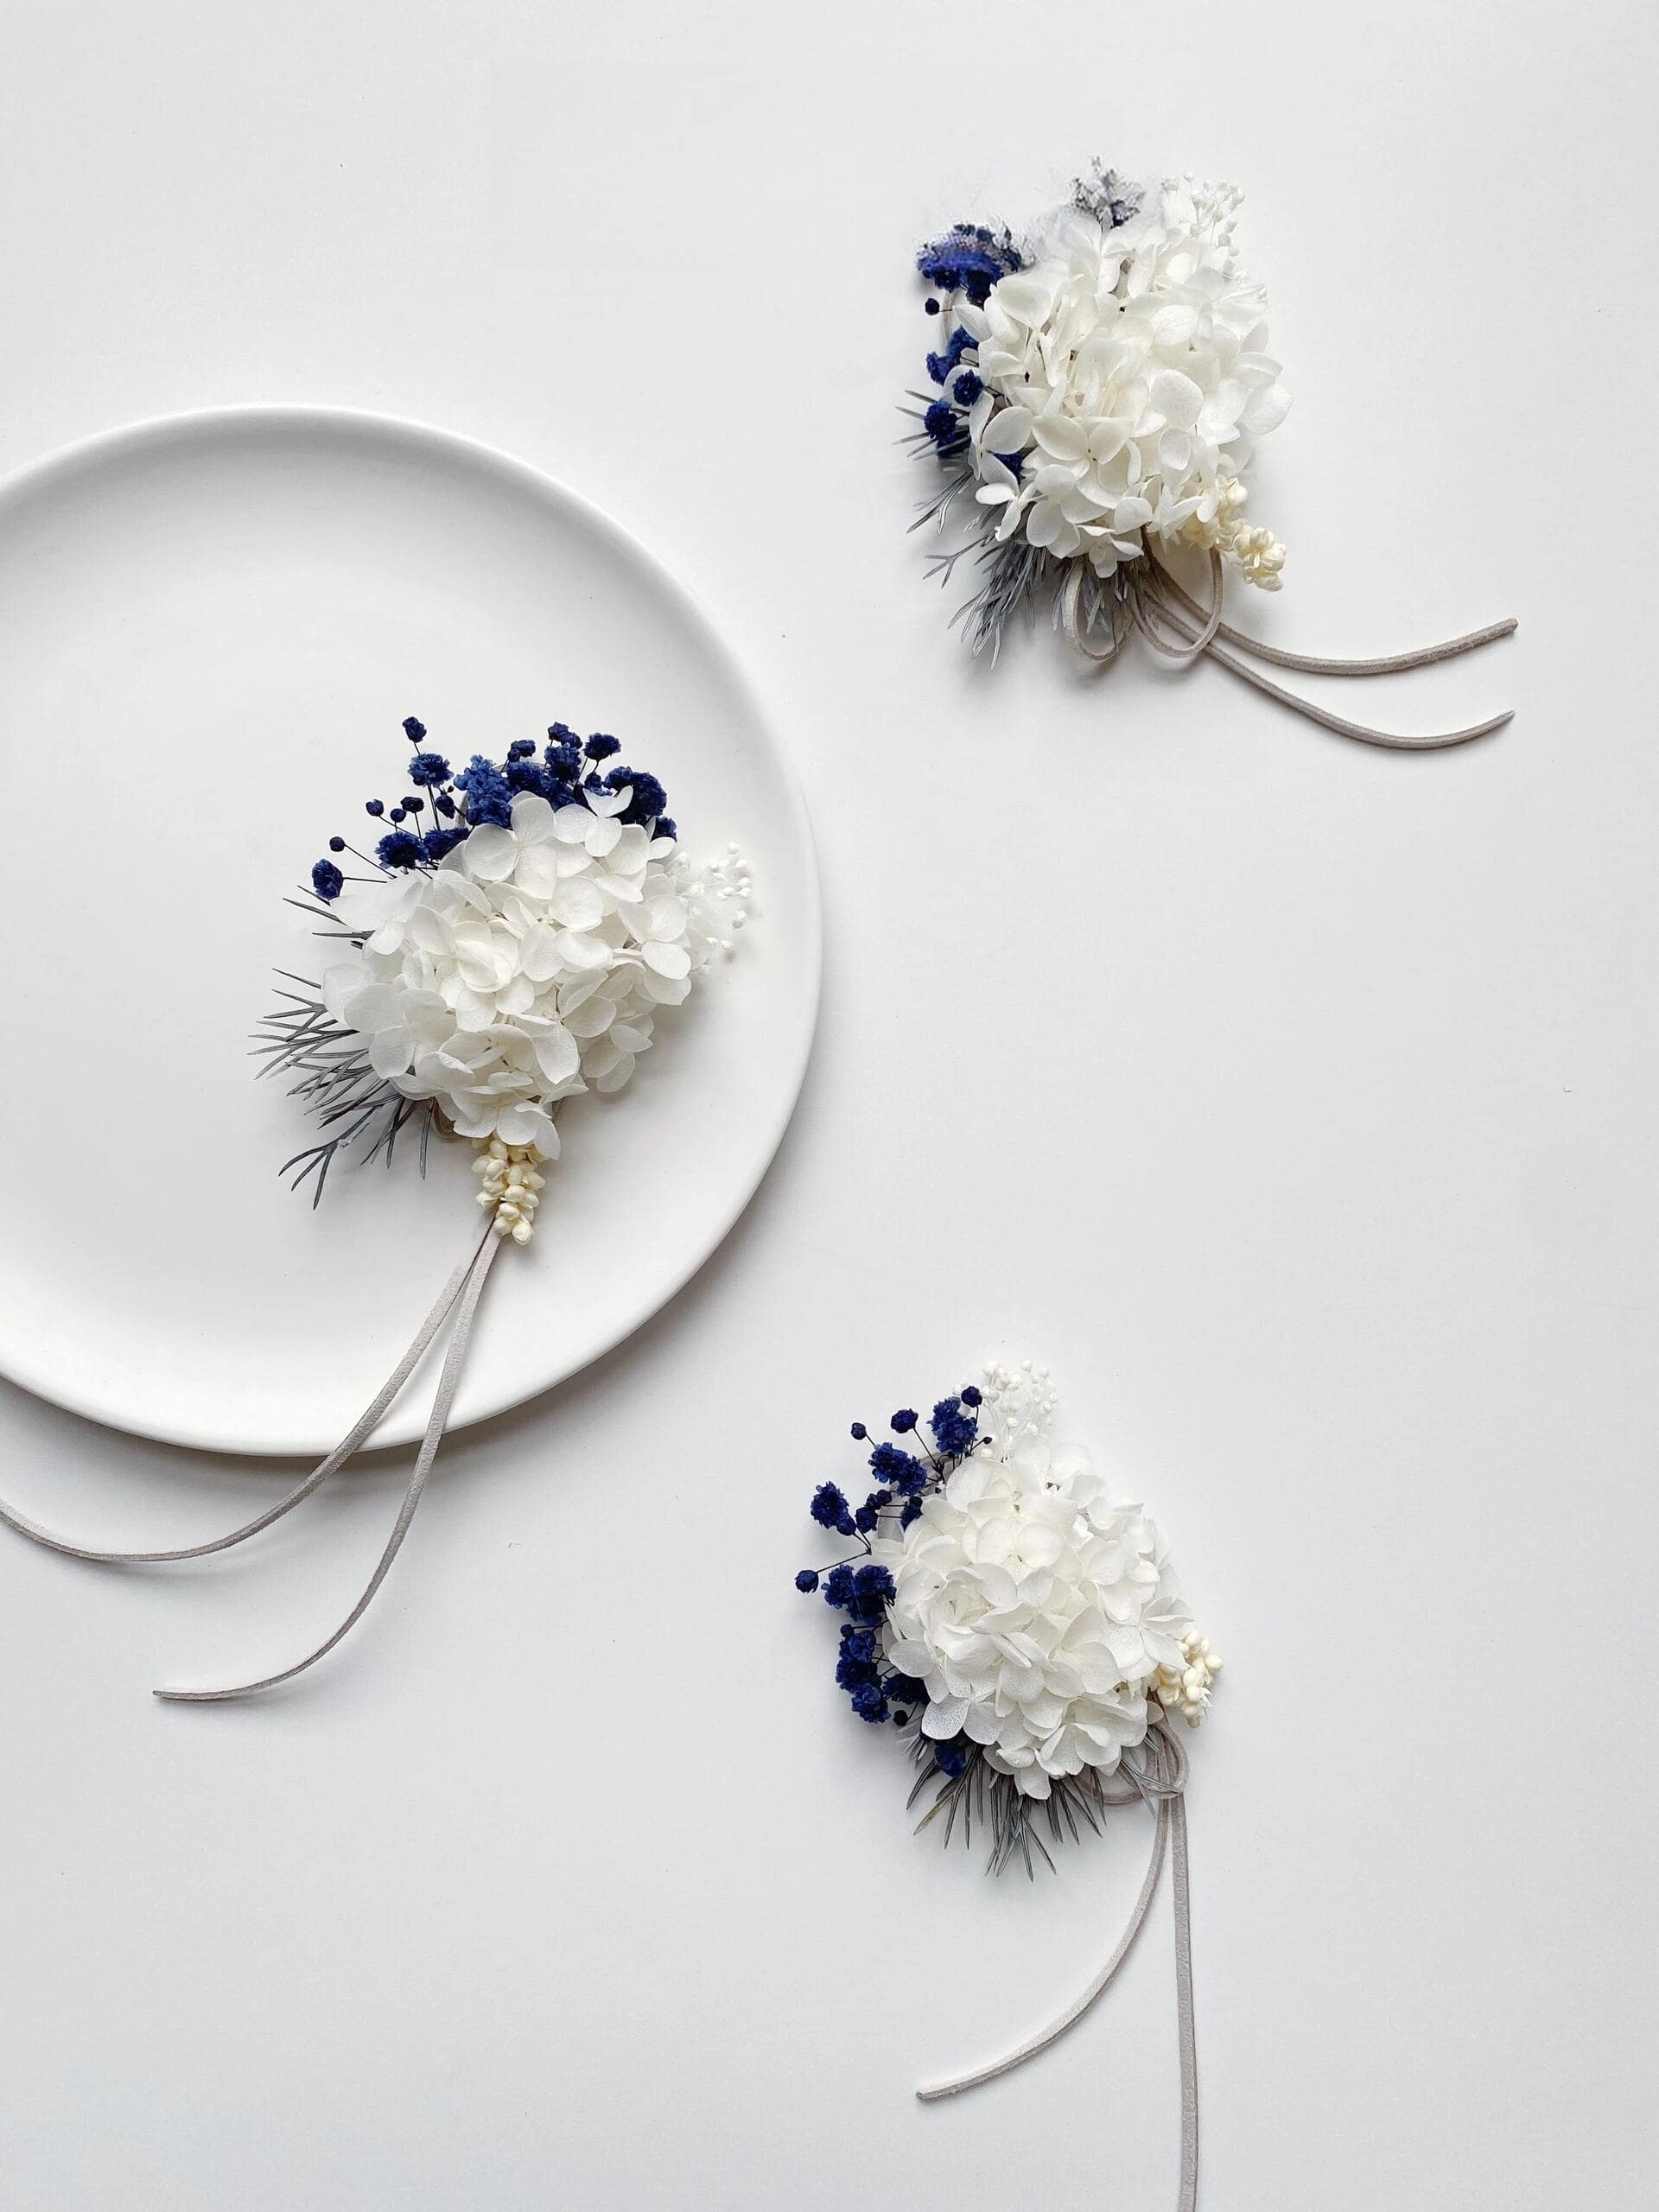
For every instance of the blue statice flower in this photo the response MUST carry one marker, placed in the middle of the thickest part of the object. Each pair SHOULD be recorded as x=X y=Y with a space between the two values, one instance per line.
x=828 y=1504
x=898 y=1471
x=969 y=259
x=400 y=849
x=955 y=1433
x=326 y=880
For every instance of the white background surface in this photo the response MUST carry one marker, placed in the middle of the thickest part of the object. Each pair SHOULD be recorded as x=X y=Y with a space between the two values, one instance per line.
x=1296 y=1101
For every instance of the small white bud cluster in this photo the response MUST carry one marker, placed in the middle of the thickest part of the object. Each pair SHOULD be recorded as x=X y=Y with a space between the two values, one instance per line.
x=1257 y=553
x=718 y=895
x=1186 y=1689
x=1018 y=1399
x=512 y=1184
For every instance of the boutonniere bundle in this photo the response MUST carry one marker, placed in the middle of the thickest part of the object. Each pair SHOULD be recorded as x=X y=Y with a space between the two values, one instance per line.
x=1096 y=392
x=1026 y=1636
x=504 y=938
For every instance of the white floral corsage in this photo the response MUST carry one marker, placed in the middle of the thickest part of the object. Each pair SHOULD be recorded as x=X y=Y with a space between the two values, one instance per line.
x=506 y=941
x=1028 y=1636
x=1096 y=392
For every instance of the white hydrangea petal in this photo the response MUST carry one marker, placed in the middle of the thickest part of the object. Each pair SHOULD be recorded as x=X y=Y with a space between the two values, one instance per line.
x=489 y=852
x=672 y=961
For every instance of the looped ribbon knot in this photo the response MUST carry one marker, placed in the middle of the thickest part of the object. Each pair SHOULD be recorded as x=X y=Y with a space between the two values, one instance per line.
x=1145 y=597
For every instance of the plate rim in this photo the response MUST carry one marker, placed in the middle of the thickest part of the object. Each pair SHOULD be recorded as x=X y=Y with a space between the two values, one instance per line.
x=277 y=414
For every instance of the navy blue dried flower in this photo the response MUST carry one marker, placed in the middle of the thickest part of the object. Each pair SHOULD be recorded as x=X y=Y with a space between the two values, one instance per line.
x=665 y=828
x=945 y=427
x=954 y=1432
x=336 y=844
x=973 y=1396
x=521 y=748
x=649 y=797
x=939 y=365
x=601 y=747
x=428 y=768
x=807 y=1580
x=904 y=1420
x=864 y=1519
x=828 y=1504
x=968 y=387
x=913 y=1512
x=838 y=1588
x=896 y=1470
x=437 y=844
x=489 y=797
x=868 y=1703
x=858 y=1432
x=400 y=849
x=413 y=730
x=953 y=1758
x=969 y=259
x=873 y=1593
x=375 y=806
x=326 y=880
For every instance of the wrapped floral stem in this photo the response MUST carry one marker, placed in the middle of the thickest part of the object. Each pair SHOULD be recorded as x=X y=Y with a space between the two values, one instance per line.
x=507 y=941
x=1026 y=1635
x=1095 y=400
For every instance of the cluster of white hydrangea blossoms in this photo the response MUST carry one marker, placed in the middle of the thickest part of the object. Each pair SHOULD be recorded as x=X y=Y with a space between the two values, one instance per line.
x=530 y=965
x=1126 y=366
x=1040 y=1618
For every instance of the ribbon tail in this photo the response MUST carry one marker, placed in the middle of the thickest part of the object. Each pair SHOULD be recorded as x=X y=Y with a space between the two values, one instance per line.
x=361 y=1429
x=1160 y=610
x=1185 y=2022
x=1323 y=664
x=1161 y=1781
x=932 y=2091
x=477 y=1274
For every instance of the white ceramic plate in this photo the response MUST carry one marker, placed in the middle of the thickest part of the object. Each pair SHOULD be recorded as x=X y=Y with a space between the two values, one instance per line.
x=211 y=629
